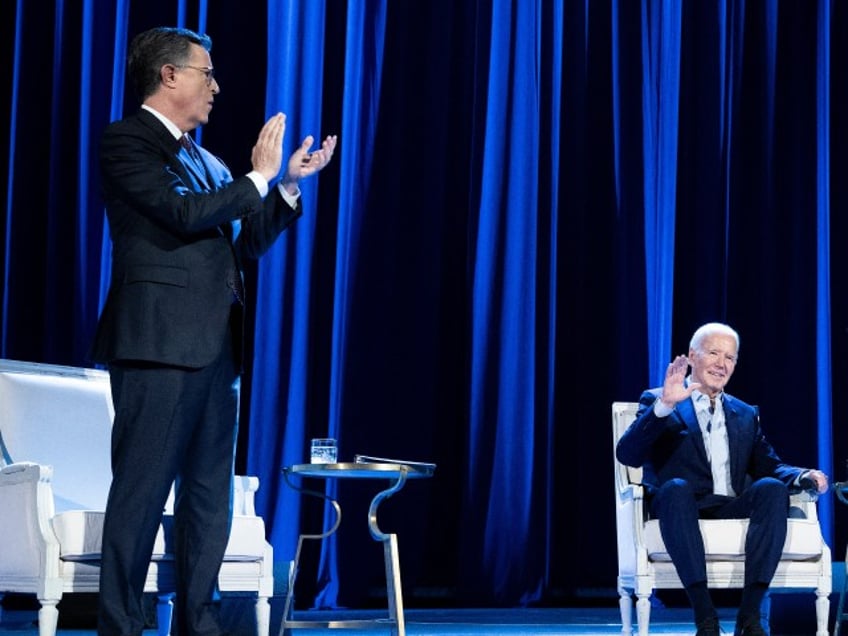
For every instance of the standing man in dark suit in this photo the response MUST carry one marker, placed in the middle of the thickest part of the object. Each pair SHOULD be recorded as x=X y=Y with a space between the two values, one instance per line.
x=705 y=456
x=171 y=329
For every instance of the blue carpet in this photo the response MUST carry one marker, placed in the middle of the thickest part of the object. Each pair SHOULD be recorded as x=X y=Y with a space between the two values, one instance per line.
x=446 y=622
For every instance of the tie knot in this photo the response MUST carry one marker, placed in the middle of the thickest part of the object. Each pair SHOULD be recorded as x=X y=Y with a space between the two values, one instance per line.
x=185 y=142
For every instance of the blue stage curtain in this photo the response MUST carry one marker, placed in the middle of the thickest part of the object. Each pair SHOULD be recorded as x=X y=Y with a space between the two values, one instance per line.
x=282 y=364
x=532 y=206
x=510 y=418
x=661 y=33
x=824 y=367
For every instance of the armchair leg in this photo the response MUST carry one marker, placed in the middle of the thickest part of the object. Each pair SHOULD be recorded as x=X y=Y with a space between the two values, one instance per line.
x=48 y=617
x=643 y=613
x=263 y=616
x=625 y=603
x=164 y=613
x=822 y=612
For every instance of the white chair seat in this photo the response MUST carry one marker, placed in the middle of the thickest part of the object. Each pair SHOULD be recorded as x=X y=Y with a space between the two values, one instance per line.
x=724 y=540
x=80 y=534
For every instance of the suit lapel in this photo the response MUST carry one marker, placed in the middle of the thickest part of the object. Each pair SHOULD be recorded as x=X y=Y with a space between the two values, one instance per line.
x=193 y=169
x=686 y=410
x=731 y=423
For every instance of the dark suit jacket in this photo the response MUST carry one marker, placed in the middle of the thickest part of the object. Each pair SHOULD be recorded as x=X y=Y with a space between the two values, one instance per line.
x=173 y=254
x=673 y=446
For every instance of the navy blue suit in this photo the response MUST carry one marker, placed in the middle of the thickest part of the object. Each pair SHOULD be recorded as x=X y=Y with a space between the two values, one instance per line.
x=171 y=334
x=678 y=480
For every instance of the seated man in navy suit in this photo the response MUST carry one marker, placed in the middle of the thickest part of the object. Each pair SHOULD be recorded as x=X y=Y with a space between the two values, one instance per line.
x=705 y=456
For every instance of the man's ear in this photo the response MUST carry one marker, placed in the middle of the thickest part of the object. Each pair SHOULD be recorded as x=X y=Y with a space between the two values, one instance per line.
x=168 y=75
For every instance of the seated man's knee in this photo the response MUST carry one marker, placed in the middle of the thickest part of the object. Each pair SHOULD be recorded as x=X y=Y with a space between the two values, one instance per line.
x=676 y=487
x=772 y=490
x=673 y=494
x=769 y=486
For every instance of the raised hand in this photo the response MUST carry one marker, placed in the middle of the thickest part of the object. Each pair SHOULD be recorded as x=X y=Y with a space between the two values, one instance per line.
x=267 y=154
x=674 y=388
x=303 y=163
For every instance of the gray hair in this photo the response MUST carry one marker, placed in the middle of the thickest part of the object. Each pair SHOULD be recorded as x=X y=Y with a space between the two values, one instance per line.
x=712 y=329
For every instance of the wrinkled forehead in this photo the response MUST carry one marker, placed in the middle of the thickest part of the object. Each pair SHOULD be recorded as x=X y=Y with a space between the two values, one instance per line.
x=719 y=342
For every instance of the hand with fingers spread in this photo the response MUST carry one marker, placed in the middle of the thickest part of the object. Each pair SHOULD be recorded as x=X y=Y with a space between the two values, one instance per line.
x=303 y=163
x=674 y=386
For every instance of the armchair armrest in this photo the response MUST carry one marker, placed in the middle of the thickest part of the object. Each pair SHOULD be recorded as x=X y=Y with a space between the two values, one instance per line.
x=29 y=549
x=244 y=488
x=806 y=502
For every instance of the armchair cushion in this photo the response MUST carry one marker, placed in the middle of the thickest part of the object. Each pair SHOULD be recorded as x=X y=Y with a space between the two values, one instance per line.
x=724 y=540
x=80 y=534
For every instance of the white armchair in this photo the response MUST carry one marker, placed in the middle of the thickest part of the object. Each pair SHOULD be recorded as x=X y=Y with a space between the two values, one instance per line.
x=644 y=564
x=55 y=429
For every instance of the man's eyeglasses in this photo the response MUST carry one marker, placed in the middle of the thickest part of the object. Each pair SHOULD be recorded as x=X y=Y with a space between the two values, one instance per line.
x=208 y=71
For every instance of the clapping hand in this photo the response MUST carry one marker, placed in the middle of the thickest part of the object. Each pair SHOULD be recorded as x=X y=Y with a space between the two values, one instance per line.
x=267 y=154
x=303 y=163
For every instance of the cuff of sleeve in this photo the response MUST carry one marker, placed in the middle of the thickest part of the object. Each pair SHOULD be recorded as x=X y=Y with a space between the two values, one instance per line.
x=291 y=199
x=259 y=182
x=660 y=409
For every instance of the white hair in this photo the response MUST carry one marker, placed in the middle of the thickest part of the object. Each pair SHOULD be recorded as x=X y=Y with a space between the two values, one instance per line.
x=712 y=329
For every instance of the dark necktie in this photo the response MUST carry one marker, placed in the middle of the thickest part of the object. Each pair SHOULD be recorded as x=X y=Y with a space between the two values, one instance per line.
x=712 y=412
x=237 y=286
x=187 y=143
x=234 y=279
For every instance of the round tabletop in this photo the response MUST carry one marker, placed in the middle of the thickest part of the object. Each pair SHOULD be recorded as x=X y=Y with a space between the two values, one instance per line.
x=355 y=470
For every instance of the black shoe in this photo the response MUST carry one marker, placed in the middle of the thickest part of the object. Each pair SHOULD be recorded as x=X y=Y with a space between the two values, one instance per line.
x=708 y=627
x=749 y=626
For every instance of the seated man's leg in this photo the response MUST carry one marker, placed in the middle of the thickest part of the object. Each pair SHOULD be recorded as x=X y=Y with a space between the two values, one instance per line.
x=675 y=506
x=763 y=547
x=766 y=504
x=769 y=509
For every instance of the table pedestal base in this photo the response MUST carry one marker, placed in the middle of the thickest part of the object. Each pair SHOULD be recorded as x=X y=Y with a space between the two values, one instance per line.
x=394 y=594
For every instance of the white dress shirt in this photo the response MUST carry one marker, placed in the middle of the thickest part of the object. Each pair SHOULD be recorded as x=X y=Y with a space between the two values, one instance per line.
x=715 y=440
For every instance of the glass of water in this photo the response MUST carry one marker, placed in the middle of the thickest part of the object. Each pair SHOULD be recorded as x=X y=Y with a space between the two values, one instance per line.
x=323 y=451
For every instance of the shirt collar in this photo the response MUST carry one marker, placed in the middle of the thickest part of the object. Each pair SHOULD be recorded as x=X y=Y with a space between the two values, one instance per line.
x=702 y=400
x=171 y=126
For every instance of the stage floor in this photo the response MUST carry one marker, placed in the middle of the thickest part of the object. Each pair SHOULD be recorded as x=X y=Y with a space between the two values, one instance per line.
x=482 y=622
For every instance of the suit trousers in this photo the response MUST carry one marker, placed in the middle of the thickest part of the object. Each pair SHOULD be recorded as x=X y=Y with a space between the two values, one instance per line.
x=179 y=426
x=765 y=503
